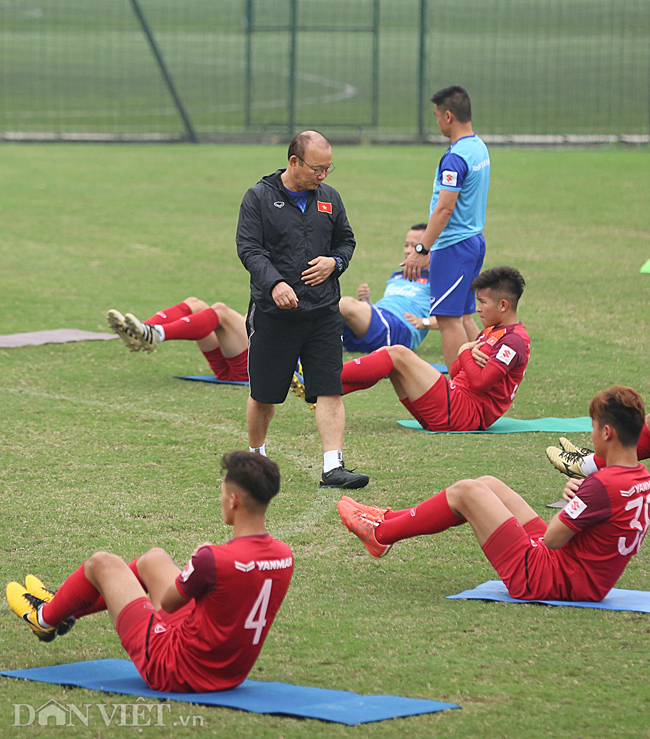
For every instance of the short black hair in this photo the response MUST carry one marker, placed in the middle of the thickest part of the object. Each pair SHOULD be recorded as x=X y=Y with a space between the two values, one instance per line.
x=505 y=282
x=419 y=227
x=455 y=99
x=301 y=141
x=258 y=475
x=621 y=408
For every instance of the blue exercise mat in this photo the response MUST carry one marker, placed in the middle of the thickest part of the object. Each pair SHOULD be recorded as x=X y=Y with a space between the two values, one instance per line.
x=210 y=378
x=615 y=600
x=517 y=426
x=338 y=706
x=442 y=368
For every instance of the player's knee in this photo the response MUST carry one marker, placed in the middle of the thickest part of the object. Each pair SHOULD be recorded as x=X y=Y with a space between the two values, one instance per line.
x=99 y=563
x=346 y=305
x=487 y=480
x=151 y=555
x=460 y=492
x=221 y=309
x=196 y=304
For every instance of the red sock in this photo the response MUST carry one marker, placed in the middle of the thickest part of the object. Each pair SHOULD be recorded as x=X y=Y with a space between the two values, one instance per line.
x=100 y=603
x=194 y=327
x=365 y=372
x=167 y=315
x=76 y=595
x=643 y=448
x=429 y=517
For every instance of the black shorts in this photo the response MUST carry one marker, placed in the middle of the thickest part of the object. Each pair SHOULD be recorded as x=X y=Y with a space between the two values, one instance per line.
x=275 y=344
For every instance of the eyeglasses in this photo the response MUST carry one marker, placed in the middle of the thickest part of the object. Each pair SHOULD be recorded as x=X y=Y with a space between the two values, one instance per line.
x=317 y=170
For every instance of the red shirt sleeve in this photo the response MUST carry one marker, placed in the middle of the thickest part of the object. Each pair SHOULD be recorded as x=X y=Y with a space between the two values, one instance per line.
x=590 y=506
x=199 y=576
x=480 y=379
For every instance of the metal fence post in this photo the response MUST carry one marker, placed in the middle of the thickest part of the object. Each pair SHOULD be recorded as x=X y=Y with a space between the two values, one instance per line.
x=187 y=122
x=422 y=66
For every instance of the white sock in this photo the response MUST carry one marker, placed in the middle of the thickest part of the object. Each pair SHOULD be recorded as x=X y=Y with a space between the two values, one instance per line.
x=332 y=460
x=41 y=623
x=588 y=465
x=259 y=449
x=160 y=332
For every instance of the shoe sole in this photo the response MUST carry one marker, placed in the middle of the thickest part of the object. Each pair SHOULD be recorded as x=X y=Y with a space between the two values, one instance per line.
x=352 y=485
x=118 y=326
x=132 y=324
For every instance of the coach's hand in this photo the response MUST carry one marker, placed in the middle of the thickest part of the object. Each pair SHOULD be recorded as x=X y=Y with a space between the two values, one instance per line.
x=414 y=264
x=319 y=270
x=284 y=296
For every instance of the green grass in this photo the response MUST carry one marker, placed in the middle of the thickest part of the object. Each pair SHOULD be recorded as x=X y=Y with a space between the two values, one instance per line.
x=531 y=66
x=104 y=450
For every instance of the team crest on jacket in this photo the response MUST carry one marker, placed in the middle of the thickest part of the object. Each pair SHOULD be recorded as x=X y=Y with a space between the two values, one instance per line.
x=324 y=207
x=279 y=203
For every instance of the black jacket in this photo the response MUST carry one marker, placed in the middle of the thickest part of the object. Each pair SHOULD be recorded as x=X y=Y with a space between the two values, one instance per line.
x=276 y=240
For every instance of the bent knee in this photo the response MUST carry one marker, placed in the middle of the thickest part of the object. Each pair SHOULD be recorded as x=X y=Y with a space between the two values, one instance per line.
x=487 y=480
x=101 y=561
x=196 y=304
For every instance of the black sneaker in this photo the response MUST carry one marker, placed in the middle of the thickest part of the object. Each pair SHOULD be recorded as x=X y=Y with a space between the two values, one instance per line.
x=339 y=477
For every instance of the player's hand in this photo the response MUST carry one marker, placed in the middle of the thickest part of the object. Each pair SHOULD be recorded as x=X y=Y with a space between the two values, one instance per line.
x=414 y=321
x=363 y=292
x=319 y=270
x=414 y=264
x=200 y=546
x=284 y=296
x=571 y=488
x=480 y=358
x=468 y=345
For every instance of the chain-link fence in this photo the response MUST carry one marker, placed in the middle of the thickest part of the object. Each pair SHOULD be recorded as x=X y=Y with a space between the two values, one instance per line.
x=544 y=70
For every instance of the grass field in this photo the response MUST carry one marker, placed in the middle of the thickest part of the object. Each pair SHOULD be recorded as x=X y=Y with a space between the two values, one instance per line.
x=531 y=66
x=105 y=450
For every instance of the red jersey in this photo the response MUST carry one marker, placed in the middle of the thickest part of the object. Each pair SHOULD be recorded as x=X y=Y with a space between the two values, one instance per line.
x=492 y=388
x=238 y=588
x=610 y=515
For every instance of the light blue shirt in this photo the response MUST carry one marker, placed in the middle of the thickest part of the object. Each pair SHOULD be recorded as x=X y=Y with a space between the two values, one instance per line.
x=465 y=169
x=402 y=296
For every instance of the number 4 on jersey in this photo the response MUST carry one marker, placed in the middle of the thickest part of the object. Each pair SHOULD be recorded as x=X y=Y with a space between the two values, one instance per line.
x=256 y=618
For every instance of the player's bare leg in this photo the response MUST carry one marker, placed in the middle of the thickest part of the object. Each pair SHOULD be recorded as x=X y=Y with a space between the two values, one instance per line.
x=471 y=328
x=357 y=315
x=157 y=571
x=330 y=421
x=453 y=335
x=487 y=503
x=258 y=420
x=411 y=377
x=111 y=576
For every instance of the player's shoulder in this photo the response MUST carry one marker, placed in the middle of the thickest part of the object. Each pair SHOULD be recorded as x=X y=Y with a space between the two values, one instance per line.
x=624 y=481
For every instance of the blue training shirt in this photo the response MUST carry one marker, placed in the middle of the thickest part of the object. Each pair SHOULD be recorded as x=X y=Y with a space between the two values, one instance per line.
x=402 y=296
x=465 y=169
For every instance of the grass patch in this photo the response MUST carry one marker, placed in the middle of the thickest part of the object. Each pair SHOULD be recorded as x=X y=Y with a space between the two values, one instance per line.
x=104 y=450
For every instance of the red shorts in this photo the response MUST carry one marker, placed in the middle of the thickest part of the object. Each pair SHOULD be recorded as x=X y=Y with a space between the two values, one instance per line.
x=528 y=568
x=146 y=635
x=443 y=408
x=231 y=369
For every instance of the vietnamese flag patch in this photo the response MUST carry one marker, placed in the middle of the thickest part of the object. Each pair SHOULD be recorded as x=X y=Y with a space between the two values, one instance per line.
x=324 y=207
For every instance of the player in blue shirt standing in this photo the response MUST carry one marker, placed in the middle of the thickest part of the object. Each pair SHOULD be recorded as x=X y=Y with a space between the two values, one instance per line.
x=453 y=246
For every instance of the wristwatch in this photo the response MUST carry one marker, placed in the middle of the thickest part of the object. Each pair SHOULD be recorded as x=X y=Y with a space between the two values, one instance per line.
x=420 y=249
x=426 y=322
x=339 y=264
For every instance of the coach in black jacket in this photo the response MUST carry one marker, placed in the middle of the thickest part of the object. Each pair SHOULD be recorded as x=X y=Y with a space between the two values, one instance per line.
x=294 y=239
